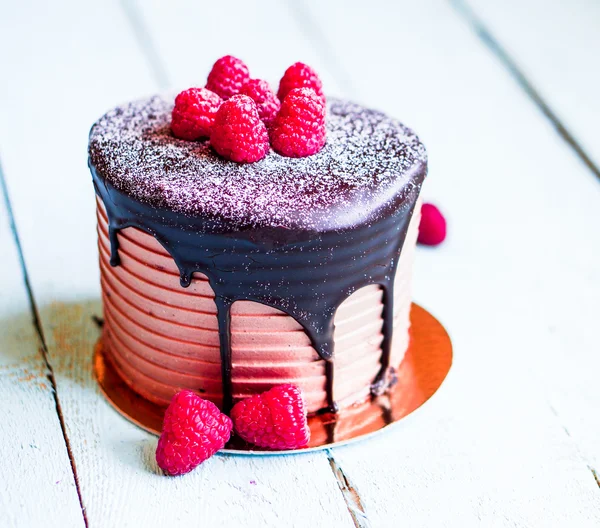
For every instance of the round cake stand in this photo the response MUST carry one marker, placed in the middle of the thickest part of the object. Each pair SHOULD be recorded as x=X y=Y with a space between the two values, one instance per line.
x=424 y=368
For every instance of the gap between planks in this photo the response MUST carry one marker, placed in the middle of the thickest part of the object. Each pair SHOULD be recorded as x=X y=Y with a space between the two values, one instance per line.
x=307 y=25
x=350 y=494
x=38 y=328
x=496 y=48
x=566 y=430
x=596 y=478
x=146 y=43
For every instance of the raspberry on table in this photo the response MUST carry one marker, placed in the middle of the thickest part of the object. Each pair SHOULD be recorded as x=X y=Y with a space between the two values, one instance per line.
x=275 y=419
x=266 y=101
x=227 y=76
x=238 y=134
x=194 y=113
x=432 y=227
x=299 y=128
x=300 y=75
x=193 y=430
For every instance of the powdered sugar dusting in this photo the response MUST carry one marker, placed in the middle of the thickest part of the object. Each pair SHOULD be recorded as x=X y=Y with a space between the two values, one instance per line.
x=367 y=160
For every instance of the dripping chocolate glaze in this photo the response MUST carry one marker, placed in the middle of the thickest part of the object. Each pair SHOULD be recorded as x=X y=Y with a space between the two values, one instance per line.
x=298 y=235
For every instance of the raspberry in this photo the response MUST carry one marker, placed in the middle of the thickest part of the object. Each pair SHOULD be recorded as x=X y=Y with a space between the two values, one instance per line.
x=275 y=419
x=227 y=76
x=193 y=430
x=238 y=133
x=299 y=128
x=432 y=229
x=300 y=75
x=266 y=101
x=194 y=113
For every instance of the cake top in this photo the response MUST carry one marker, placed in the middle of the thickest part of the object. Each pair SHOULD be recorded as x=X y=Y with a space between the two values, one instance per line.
x=369 y=159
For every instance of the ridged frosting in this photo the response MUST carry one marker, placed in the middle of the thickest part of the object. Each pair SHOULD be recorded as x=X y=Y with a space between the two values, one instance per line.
x=162 y=338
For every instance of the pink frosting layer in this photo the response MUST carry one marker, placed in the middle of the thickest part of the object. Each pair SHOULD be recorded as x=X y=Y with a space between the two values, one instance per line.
x=163 y=338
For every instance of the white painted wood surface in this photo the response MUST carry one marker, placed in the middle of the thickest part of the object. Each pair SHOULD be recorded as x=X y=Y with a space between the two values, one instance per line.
x=556 y=43
x=511 y=440
x=36 y=472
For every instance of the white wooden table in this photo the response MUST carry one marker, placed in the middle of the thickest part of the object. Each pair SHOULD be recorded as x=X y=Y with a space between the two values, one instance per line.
x=505 y=96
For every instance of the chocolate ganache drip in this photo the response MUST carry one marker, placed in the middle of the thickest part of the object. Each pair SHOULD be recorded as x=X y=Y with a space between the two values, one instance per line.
x=298 y=235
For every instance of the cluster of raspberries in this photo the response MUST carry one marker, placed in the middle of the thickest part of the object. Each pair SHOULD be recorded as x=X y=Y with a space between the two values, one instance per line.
x=243 y=117
x=194 y=429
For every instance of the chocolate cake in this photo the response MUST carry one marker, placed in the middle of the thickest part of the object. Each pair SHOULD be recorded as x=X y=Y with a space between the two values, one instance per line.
x=229 y=278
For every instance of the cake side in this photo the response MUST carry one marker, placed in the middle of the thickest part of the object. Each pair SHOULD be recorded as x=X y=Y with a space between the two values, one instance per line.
x=162 y=338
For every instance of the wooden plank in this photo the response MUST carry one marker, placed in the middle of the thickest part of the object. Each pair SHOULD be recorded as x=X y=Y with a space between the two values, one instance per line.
x=86 y=60
x=268 y=39
x=515 y=284
x=37 y=486
x=556 y=45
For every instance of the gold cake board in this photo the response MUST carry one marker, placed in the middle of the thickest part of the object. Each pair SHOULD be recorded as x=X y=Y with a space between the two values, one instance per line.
x=424 y=368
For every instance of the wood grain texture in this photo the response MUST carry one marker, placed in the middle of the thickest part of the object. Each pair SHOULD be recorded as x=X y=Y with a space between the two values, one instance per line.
x=514 y=284
x=556 y=43
x=94 y=61
x=37 y=487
